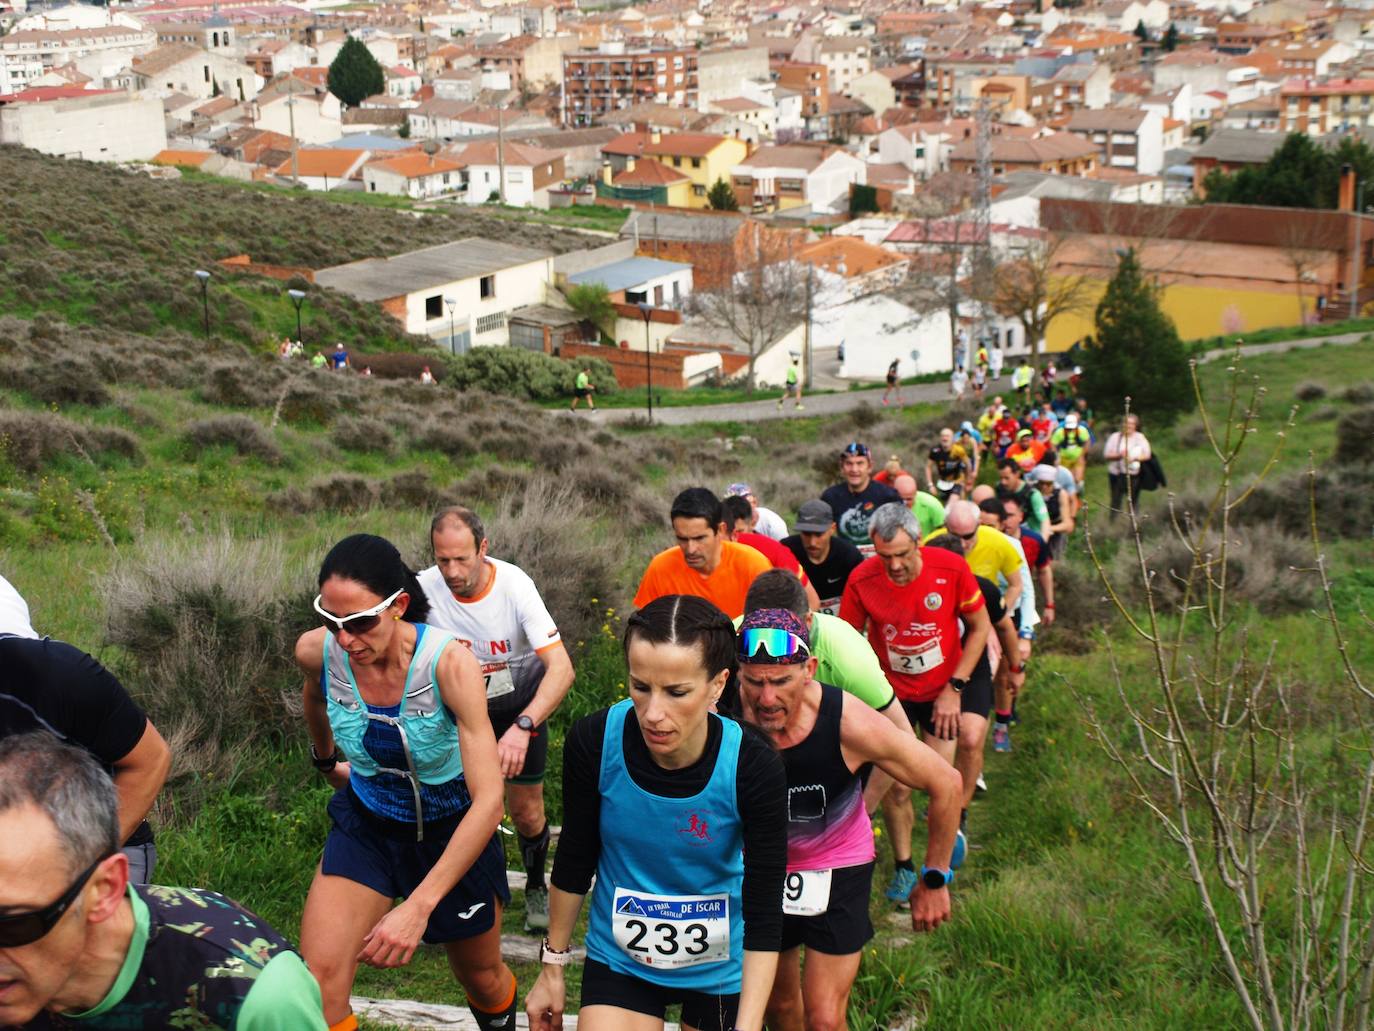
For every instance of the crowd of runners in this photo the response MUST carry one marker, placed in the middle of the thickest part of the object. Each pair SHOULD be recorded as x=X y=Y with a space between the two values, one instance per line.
x=785 y=686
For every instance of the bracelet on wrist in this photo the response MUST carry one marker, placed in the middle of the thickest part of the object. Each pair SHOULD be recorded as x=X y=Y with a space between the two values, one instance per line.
x=324 y=763
x=1049 y=604
x=555 y=957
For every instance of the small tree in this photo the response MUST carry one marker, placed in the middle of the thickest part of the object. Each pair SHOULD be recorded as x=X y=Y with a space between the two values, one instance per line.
x=1034 y=290
x=593 y=304
x=1141 y=32
x=862 y=199
x=722 y=197
x=1171 y=38
x=355 y=74
x=1137 y=352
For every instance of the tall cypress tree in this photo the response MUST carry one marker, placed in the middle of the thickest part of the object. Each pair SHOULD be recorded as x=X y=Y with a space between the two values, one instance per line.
x=355 y=74
x=1137 y=354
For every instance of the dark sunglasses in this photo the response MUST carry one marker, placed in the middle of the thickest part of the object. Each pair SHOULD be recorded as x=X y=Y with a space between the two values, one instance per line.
x=774 y=642
x=359 y=622
x=19 y=929
x=967 y=536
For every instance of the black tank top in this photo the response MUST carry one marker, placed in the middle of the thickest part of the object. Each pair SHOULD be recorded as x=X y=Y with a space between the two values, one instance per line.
x=821 y=788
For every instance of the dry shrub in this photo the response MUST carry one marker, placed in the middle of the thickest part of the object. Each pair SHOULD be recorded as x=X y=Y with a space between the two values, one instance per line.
x=1326 y=413
x=60 y=378
x=447 y=437
x=411 y=489
x=1264 y=567
x=29 y=439
x=865 y=416
x=486 y=486
x=1191 y=434
x=234 y=385
x=1354 y=438
x=1081 y=608
x=341 y=492
x=1344 y=504
x=1358 y=393
x=1309 y=391
x=363 y=433
x=243 y=434
x=208 y=622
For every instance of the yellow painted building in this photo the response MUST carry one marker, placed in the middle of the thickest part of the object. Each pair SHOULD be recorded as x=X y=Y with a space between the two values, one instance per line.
x=701 y=157
x=1208 y=289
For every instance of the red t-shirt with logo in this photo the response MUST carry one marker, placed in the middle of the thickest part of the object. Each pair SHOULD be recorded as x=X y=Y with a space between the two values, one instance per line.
x=780 y=556
x=913 y=629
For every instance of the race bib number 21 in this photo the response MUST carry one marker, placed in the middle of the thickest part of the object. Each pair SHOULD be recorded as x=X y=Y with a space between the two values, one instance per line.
x=669 y=931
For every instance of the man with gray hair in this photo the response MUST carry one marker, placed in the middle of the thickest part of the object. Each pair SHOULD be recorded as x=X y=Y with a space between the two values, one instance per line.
x=910 y=601
x=81 y=945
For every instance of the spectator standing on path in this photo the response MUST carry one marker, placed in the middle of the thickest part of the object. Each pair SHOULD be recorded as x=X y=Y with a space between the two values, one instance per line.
x=495 y=609
x=827 y=559
x=792 y=385
x=1124 y=451
x=893 y=383
x=856 y=498
x=83 y=946
x=339 y=359
x=996 y=359
x=766 y=521
x=582 y=389
x=51 y=686
x=1048 y=375
x=703 y=562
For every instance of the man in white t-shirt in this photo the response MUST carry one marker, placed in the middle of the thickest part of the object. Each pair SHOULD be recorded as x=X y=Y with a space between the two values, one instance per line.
x=14 y=612
x=495 y=609
x=766 y=521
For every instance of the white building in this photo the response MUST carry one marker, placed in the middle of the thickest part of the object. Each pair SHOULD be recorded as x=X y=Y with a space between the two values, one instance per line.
x=293 y=107
x=181 y=68
x=1126 y=138
x=782 y=177
x=418 y=176
x=529 y=172
x=99 y=127
x=664 y=284
x=460 y=294
x=24 y=56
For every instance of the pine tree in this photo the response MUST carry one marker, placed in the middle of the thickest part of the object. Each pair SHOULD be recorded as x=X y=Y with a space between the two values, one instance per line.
x=1141 y=32
x=355 y=74
x=1171 y=38
x=722 y=197
x=1137 y=353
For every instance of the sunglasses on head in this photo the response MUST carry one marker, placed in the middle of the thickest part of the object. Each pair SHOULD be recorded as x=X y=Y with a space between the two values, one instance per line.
x=18 y=929
x=857 y=449
x=359 y=622
x=774 y=642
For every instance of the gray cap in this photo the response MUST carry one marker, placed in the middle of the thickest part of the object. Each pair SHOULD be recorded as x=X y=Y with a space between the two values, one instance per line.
x=1042 y=474
x=814 y=517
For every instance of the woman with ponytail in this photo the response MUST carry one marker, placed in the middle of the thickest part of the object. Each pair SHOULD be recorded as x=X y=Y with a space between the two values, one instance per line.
x=397 y=717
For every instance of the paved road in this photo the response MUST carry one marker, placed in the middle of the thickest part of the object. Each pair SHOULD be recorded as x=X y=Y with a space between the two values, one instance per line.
x=835 y=404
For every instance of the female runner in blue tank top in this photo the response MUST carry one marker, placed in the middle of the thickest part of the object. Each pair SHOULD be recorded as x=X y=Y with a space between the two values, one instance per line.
x=681 y=815
x=397 y=715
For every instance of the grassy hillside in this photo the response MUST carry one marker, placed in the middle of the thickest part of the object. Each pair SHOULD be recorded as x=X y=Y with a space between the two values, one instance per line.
x=165 y=506
x=123 y=255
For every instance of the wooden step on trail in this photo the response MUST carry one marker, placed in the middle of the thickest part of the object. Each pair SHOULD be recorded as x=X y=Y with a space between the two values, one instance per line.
x=426 y=1016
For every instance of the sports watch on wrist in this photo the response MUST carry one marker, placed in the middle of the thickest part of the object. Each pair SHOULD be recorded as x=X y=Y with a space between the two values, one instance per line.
x=525 y=723
x=934 y=878
x=325 y=763
x=554 y=958
x=958 y=683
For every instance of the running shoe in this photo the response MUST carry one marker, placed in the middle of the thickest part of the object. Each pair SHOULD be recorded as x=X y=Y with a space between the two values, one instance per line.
x=980 y=785
x=956 y=858
x=801 y=408
x=536 y=909
x=903 y=884
x=1001 y=738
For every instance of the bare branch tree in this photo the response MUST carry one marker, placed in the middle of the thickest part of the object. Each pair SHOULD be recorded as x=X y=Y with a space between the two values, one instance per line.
x=761 y=293
x=1035 y=289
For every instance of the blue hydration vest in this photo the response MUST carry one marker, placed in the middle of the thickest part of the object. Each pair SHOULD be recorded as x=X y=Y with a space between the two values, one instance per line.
x=427 y=732
x=666 y=907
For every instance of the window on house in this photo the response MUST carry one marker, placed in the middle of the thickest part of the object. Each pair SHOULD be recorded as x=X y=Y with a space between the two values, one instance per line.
x=434 y=306
x=698 y=191
x=677 y=291
x=207 y=73
x=658 y=296
x=491 y=323
x=636 y=296
x=488 y=287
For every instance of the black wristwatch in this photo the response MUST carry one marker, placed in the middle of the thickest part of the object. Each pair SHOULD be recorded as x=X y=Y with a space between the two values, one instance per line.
x=934 y=878
x=958 y=683
x=328 y=762
x=525 y=723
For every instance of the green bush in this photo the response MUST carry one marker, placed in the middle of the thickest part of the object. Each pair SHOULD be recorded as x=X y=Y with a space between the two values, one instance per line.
x=516 y=372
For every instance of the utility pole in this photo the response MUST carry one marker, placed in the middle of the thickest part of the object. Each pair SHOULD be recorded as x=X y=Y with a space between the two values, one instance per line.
x=1355 y=255
x=982 y=211
x=501 y=151
x=291 y=114
x=809 y=292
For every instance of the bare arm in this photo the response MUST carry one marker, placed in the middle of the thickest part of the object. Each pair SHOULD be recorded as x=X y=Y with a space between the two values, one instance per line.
x=979 y=626
x=1065 y=524
x=553 y=688
x=138 y=777
x=310 y=660
x=878 y=781
x=548 y=996
x=760 y=968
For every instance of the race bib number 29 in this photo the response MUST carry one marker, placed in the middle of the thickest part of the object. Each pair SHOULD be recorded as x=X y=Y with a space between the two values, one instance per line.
x=669 y=931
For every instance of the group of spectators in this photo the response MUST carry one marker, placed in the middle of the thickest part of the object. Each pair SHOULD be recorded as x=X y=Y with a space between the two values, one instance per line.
x=785 y=686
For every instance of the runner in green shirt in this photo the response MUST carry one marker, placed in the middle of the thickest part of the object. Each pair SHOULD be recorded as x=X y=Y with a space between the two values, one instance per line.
x=582 y=390
x=929 y=512
x=88 y=949
x=319 y=361
x=793 y=385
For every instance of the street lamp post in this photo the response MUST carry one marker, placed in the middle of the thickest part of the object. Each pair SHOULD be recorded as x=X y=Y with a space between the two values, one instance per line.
x=297 y=298
x=452 y=303
x=204 y=278
x=646 y=310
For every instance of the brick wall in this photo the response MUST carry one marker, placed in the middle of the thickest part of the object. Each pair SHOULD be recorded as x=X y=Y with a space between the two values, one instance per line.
x=629 y=365
x=243 y=263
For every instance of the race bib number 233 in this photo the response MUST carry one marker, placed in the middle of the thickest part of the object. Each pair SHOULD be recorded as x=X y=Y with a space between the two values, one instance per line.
x=669 y=931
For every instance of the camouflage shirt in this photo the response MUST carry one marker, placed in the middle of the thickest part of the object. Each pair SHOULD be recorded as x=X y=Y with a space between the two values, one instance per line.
x=199 y=960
